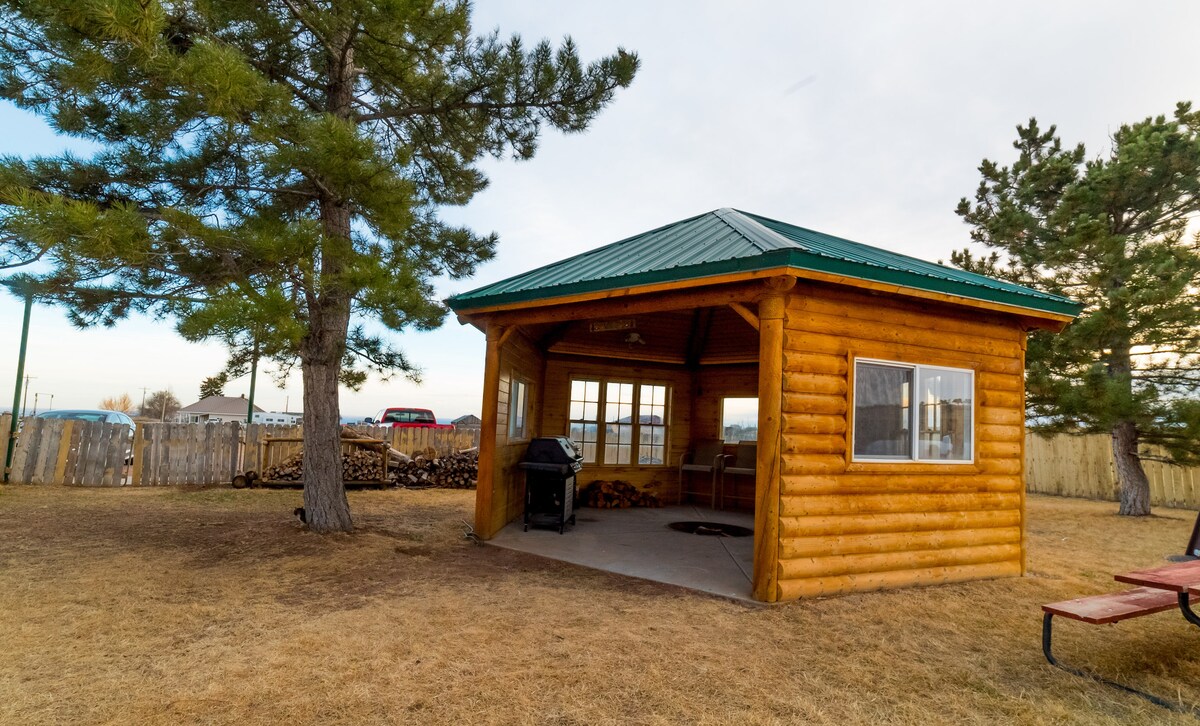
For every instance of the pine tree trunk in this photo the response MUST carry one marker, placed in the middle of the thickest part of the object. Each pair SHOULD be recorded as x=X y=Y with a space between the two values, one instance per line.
x=1134 y=486
x=325 y=504
x=324 y=346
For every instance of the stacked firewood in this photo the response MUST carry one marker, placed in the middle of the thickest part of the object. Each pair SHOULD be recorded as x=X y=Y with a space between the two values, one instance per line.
x=616 y=495
x=426 y=469
x=357 y=465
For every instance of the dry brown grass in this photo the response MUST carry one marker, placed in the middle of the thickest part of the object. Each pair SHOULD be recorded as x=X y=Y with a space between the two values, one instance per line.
x=212 y=606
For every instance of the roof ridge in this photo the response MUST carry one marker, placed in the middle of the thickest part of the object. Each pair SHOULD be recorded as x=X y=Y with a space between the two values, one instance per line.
x=602 y=248
x=983 y=280
x=738 y=221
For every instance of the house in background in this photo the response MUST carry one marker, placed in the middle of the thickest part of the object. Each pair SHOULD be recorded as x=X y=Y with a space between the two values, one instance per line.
x=468 y=422
x=216 y=409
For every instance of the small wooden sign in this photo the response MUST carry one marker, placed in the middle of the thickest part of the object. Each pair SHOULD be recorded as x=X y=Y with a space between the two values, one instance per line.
x=608 y=326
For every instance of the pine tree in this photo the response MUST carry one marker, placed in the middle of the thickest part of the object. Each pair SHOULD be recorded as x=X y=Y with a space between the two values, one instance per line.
x=213 y=386
x=270 y=174
x=1111 y=232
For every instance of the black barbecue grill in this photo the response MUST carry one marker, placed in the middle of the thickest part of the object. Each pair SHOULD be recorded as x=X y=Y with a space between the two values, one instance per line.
x=550 y=464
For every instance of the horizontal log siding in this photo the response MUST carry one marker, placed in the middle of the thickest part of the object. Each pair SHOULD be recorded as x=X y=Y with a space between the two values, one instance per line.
x=520 y=359
x=861 y=526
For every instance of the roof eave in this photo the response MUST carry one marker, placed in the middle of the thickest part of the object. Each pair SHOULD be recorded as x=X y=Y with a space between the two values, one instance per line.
x=1054 y=310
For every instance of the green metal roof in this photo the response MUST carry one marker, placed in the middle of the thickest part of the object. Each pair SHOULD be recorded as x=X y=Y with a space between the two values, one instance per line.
x=728 y=241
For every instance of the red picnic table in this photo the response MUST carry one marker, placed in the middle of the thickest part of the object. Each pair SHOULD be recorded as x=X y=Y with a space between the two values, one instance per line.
x=1182 y=578
x=1159 y=589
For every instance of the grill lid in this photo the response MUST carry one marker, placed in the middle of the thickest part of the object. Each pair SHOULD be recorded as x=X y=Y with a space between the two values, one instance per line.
x=552 y=450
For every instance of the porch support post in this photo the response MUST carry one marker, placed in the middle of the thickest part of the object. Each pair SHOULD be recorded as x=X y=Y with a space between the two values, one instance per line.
x=771 y=310
x=485 y=483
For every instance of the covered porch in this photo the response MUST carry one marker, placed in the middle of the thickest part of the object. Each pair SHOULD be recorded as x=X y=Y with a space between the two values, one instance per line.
x=640 y=543
x=641 y=386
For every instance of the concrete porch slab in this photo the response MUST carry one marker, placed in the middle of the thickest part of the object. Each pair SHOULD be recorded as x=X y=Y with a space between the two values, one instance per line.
x=637 y=542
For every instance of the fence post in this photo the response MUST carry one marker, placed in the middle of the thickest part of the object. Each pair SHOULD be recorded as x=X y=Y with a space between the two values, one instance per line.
x=235 y=446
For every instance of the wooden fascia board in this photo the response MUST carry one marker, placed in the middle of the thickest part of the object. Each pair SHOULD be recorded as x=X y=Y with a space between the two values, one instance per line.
x=570 y=306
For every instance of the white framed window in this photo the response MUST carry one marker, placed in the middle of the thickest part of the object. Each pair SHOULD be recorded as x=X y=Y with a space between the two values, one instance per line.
x=518 y=410
x=913 y=412
x=607 y=418
x=739 y=420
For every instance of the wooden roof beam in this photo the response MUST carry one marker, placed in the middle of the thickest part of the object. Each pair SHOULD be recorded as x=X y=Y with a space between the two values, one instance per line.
x=744 y=311
x=698 y=339
x=714 y=296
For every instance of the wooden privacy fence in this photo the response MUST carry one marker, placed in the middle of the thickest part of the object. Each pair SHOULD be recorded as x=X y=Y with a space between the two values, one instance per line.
x=91 y=453
x=1082 y=466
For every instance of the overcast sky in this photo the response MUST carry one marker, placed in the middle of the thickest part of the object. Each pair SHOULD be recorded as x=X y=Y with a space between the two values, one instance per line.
x=867 y=120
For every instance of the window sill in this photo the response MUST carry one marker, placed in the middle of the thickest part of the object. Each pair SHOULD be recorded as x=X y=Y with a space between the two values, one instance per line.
x=918 y=467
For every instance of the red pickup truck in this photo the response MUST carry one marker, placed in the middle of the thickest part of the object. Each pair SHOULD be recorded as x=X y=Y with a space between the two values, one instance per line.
x=407 y=418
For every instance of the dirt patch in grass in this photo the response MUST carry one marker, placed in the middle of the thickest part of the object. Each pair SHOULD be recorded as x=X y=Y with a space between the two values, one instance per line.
x=214 y=606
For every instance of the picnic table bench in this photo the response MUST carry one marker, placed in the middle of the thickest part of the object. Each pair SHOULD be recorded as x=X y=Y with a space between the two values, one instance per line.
x=1160 y=589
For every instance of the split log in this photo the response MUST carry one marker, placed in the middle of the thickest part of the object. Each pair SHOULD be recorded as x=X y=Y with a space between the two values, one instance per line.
x=426 y=470
x=616 y=495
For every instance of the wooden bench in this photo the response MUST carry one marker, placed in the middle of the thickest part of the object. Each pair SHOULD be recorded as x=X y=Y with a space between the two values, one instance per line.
x=1106 y=609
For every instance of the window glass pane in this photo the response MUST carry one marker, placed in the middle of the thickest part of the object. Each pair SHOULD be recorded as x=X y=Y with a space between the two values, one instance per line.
x=517 y=409
x=944 y=409
x=739 y=419
x=584 y=408
x=882 y=412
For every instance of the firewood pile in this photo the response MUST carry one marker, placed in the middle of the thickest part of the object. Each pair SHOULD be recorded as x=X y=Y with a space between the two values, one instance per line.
x=426 y=470
x=357 y=465
x=616 y=495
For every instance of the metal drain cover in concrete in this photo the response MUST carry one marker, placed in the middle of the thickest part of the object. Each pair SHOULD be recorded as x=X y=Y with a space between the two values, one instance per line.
x=713 y=529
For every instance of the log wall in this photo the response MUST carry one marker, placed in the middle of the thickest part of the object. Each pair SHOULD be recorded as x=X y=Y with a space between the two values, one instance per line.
x=849 y=526
x=520 y=360
x=714 y=383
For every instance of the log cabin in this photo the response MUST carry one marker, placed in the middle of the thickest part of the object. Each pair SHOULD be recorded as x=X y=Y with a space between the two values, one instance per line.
x=890 y=393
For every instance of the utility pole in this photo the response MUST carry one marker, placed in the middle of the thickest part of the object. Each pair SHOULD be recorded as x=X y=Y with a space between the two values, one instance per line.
x=253 y=377
x=12 y=432
x=35 y=399
x=25 y=400
x=143 y=406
